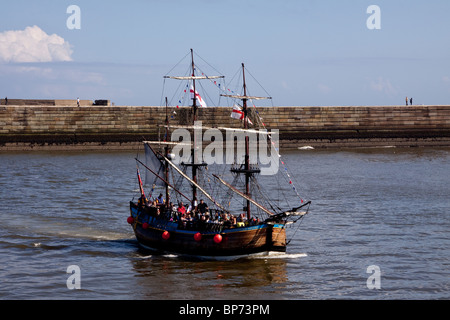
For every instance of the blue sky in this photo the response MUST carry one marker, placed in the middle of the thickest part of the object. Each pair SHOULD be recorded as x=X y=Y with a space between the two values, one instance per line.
x=312 y=52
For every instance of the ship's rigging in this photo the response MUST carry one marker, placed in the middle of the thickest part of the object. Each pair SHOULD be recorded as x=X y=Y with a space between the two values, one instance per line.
x=235 y=182
x=242 y=175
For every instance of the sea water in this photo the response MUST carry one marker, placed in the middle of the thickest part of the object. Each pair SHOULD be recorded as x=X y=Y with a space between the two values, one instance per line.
x=385 y=207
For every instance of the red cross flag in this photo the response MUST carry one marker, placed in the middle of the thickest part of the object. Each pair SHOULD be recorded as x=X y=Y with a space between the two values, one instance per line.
x=237 y=113
x=199 y=99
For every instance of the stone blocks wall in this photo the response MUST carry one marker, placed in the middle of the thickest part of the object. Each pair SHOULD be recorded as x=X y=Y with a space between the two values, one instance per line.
x=23 y=127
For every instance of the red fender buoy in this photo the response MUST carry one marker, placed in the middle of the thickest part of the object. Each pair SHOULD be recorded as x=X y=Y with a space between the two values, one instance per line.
x=198 y=236
x=166 y=235
x=130 y=220
x=217 y=238
x=145 y=225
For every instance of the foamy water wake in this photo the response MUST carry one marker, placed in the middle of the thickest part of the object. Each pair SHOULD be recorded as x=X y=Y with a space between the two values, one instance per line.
x=279 y=255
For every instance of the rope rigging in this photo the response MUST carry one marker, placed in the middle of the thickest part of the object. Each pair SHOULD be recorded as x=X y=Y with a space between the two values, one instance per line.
x=205 y=176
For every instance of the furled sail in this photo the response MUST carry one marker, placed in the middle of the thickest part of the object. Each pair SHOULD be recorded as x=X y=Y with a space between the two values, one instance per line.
x=244 y=97
x=202 y=127
x=194 y=77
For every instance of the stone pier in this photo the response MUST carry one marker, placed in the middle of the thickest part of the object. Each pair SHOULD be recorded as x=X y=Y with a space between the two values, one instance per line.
x=40 y=127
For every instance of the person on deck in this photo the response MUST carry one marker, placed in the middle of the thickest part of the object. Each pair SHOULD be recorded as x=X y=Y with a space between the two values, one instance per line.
x=160 y=200
x=202 y=207
x=142 y=201
x=194 y=203
x=181 y=209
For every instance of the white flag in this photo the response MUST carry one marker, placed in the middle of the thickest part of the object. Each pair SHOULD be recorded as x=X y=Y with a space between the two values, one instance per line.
x=237 y=113
x=199 y=99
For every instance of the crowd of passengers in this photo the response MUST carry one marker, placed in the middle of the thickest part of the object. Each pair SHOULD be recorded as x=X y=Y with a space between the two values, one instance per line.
x=195 y=213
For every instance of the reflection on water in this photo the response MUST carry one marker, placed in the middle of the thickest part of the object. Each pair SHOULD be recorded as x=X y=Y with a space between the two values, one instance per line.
x=181 y=278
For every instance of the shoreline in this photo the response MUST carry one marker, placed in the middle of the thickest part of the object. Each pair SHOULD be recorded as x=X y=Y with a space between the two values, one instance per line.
x=137 y=146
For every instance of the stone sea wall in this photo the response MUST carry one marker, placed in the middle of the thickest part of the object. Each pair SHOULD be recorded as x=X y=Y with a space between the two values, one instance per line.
x=30 y=127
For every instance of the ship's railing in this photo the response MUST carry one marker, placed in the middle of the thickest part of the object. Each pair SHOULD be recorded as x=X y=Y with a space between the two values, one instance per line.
x=161 y=218
x=201 y=226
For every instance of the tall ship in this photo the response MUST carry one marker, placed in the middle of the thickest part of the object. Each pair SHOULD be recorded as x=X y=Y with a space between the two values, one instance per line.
x=209 y=204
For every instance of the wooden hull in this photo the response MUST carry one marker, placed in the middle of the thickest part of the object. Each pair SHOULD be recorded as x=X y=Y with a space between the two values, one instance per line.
x=240 y=241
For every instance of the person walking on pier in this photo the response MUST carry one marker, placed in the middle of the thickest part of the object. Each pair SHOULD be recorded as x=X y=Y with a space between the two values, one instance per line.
x=406 y=100
x=410 y=102
x=78 y=102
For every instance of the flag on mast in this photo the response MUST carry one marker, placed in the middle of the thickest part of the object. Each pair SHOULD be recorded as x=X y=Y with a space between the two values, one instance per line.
x=237 y=113
x=198 y=97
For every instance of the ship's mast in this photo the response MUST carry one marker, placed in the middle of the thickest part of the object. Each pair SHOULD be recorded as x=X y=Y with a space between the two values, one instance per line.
x=194 y=163
x=194 y=102
x=247 y=156
x=246 y=169
x=166 y=153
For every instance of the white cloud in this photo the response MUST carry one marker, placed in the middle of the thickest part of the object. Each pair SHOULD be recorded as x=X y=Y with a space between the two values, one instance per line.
x=446 y=81
x=69 y=73
x=382 y=85
x=324 y=88
x=33 y=45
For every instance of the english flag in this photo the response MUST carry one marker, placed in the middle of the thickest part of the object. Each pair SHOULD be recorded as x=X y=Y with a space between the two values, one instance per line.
x=199 y=98
x=237 y=113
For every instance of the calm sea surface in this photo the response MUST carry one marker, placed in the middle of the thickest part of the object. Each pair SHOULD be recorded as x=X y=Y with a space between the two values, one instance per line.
x=388 y=208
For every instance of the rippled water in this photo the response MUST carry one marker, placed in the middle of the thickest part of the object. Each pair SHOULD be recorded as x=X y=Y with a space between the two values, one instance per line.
x=383 y=207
